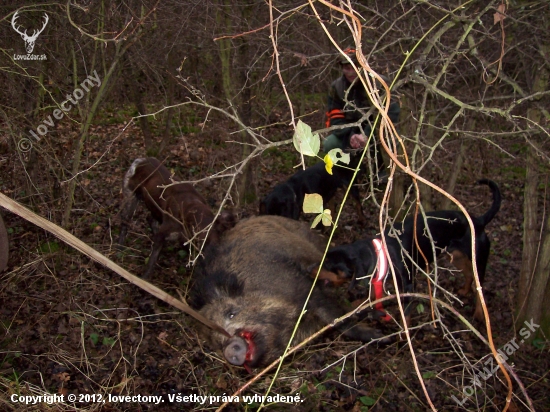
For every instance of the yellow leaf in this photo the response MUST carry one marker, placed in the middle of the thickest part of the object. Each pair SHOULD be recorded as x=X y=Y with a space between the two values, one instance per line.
x=326 y=217
x=313 y=203
x=316 y=221
x=328 y=164
x=305 y=141
x=338 y=156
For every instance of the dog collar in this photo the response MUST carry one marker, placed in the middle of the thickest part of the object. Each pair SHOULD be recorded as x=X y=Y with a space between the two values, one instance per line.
x=380 y=275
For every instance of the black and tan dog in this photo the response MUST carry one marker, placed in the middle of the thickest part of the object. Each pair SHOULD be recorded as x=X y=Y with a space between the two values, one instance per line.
x=449 y=230
x=286 y=198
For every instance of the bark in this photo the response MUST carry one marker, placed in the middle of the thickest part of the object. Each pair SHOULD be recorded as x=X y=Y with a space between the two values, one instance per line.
x=170 y=92
x=136 y=77
x=248 y=191
x=425 y=190
x=246 y=187
x=397 y=196
x=455 y=172
x=531 y=228
x=535 y=267
x=535 y=308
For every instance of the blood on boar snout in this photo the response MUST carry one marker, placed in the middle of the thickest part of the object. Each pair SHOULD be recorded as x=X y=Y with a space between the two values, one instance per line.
x=254 y=283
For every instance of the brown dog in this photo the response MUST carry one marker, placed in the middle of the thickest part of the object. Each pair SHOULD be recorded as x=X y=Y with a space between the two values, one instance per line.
x=180 y=209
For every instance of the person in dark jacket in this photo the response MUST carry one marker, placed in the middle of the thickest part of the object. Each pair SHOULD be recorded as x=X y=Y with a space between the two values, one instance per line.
x=348 y=102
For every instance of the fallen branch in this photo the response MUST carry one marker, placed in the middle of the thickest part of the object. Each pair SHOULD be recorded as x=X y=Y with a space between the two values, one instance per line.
x=93 y=254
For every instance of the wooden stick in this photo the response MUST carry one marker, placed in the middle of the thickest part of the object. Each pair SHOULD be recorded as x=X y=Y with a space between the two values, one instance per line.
x=82 y=247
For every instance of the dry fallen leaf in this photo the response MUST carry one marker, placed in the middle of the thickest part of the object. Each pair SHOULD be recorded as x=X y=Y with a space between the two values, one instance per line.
x=499 y=15
x=63 y=377
x=303 y=59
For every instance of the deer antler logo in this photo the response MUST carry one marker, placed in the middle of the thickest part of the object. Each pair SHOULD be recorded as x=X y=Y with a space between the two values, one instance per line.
x=29 y=40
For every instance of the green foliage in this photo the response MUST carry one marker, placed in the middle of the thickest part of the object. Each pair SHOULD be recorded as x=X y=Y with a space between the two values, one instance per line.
x=312 y=100
x=539 y=343
x=14 y=376
x=429 y=375
x=367 y=400
x=333 y=157
x=94 y=337
x=513 y=172
x=49 y=247
x=118 y=115
x=305 y=141
x=152 y=151
x=286 y=159
x=313 y=203
x=108 y=341
x=194 y=171
x=250 y=198
x=309 y=144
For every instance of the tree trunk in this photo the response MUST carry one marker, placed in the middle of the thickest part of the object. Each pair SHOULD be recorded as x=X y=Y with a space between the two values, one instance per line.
x=397 y=196
x=136 y=77
x=246 y=187
x=530 y=234
x=170 y=93
x=535 y=268
x=85 y=129
x=426 y=192
x=535 y=307
x=248 y=191
x=455 y=172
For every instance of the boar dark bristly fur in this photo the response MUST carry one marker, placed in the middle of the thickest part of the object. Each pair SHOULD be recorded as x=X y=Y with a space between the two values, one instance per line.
x=254 y=284
x=179 y=209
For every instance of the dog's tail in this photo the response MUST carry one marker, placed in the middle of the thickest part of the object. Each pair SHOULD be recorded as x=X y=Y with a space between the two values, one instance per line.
x=495 y=207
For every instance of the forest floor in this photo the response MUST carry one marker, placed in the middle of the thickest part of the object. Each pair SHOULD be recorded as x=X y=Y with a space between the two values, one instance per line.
x=71 y=326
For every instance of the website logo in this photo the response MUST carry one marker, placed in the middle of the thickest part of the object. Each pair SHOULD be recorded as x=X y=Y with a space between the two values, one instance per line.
x=30 y=40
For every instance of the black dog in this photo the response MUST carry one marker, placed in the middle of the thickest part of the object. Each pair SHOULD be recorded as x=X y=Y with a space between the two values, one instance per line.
x=286 y=199
x=449 y=230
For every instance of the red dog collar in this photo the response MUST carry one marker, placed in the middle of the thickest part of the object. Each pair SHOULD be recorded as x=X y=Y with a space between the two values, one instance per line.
x=380 y=275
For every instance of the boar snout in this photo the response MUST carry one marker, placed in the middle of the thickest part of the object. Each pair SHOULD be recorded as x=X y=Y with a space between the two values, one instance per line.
x=235 y=351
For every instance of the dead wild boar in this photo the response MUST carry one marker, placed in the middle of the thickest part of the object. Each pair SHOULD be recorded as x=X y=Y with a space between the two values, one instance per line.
x=254 y=283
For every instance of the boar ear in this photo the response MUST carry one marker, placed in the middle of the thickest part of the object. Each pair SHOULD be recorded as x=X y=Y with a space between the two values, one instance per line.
x=212 y=286
x=231 y=285
x=227 y=219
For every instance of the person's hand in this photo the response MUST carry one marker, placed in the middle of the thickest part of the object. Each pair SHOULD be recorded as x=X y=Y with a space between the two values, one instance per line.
x=357 y=141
